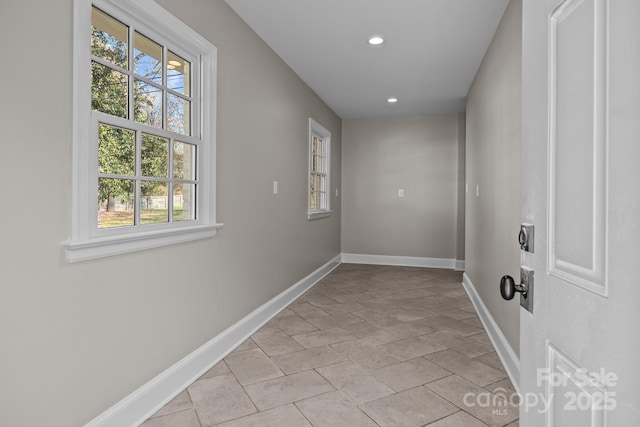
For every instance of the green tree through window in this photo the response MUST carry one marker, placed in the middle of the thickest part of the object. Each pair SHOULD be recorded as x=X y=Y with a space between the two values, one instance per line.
x=143 y=142
x=154 y=104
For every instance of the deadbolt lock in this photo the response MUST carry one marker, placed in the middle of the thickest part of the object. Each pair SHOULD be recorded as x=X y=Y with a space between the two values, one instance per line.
x=525 y=237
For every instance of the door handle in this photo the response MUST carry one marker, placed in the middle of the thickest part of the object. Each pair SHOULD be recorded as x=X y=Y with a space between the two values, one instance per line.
x=508 y=288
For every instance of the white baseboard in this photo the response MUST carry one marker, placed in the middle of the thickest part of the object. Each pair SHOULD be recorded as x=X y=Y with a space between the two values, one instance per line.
x=134 y=409
x=508 y=357
x=404 y=261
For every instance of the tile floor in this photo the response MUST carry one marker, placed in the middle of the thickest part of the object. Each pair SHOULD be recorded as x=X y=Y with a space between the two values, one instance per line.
x=366 y=346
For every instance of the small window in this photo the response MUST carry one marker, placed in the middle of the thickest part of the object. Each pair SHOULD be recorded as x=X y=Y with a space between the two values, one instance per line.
x=319 y=171
x=144 y=130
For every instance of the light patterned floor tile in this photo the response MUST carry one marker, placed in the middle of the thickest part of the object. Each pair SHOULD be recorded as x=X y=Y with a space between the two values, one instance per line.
x=472 y=370
x=252 y=366
x=371 y=335
x=274 y=342
x=428 y=302
x=492 y=359
x=396 y=346
x=324 y=337
x=288 y=389
x=459 y=419
x=482 y=338
x=186 y=418
x=411 y=329
x=306 y=310
x=220 y=368
x=361 y=329
x=504 y=389
x=410 y=348
x=292 y=325
x=453 y=312
x=334 y=409
x=220 y=399
x=469 y=308
x=454 y=325
x=415 y=407
x=459 y=343
x=490 y=409
x=318 y=300
x=347 y=307
x=355 y=382
x=248 y=344
x=367 y=356
x=358 y=297
x=179 y=403
x=282 y=416
x=308 y=359
x=334 y=321
x=410 y=315
x=410 y=374
x=474 y=321
x=376 y=318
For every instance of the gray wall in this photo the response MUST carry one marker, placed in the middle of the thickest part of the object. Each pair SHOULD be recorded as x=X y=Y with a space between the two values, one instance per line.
x=418 y=154
x=493 y=162
x=75 y=339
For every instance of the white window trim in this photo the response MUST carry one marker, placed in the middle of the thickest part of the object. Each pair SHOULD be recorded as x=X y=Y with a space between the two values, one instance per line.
x=83 y=244
x=317 y=129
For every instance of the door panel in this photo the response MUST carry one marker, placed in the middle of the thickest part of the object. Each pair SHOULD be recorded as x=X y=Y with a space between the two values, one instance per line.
x=578 y=142
x=573 y=394
x=581 y=129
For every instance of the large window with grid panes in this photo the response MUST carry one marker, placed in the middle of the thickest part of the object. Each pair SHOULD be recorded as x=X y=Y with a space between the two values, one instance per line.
x=144 y=130
x=319 y=171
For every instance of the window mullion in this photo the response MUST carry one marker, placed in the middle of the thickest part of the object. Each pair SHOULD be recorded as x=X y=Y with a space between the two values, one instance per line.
x=165 y=107
x=148 y=81
x=179 y=95
x=165 y=52
x=197 y=99
x=137 y=196
x=109 y=64
x=141 y=127
x=171 y=179
x=115 y=176
x=170 y=201
x=94 y=170
x=130 y=79
x=165 y=125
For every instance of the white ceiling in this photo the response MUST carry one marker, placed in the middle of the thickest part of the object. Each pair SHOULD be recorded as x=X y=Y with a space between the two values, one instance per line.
x=431 y=53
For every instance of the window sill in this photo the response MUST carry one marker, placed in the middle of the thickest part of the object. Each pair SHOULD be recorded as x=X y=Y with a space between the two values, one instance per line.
x=83 y=250
x=318 y=215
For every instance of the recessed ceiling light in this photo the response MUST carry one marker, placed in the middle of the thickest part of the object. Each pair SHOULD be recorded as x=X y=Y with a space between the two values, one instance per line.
x=376 y=40
x=175 y=63
x=392 y=100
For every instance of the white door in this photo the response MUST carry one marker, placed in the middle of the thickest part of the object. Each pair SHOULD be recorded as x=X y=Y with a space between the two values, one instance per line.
x=580 y=348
